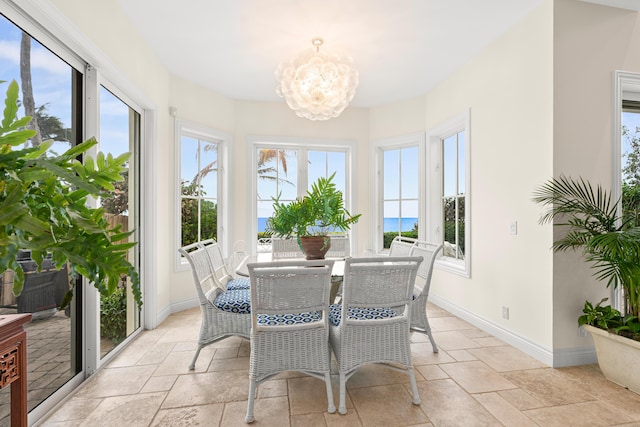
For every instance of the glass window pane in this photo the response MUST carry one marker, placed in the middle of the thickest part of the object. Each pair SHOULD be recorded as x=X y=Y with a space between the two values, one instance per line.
x=391 y=216
x=209 y=169
x=337 y=162
x=449 y=166
x=391 y=159
x=188 y=159
x=449 y=217
x=409 y=215
x=409 y=165
x=189 y=221
x=317 y=165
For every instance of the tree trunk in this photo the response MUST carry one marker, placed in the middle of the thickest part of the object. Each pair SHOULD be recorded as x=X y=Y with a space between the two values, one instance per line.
x=27 y=88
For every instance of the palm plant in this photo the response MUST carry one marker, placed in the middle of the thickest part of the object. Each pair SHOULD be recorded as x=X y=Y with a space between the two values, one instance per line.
x=610 y=244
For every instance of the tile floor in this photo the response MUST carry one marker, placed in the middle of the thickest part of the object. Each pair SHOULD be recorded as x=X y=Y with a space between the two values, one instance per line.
x=475 y=380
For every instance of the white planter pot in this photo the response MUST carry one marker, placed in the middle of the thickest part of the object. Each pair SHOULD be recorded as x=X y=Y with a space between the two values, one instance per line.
x=616 y=357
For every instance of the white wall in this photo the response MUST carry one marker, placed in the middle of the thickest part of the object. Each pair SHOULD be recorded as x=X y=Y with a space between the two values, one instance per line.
x=508 y=89
x=590 y=43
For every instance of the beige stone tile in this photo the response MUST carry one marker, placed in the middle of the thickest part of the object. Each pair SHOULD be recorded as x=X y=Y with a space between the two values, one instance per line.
x=590 y=378
x=453 y=340
x=185 y=346
x=506 y=358
x=350 y=419
x=226 y=353
x=130 y=411
x=272 y=388
x=377 y=374
x=307 y=395
x=582 y=414
x=435 y=311
x=156 y=354
x=447 y=404
x=476 y=377
x=71 y=423
x=450 y=323
x=520 y=399
x=462 y=355
x=74 y=409
x=475 y=333
x=240 y=363
x=116 y=382
x=506 y=413
x=549 y=386
x=488 y=341
x=208 y=387
x=163 y=383
x=422 y=354
x=177 y=362
x=185 y=333
x=431 y=372
x=308 y=420
x=387 y=405
x=273 y=411
x=200 y=415
x=418 y=337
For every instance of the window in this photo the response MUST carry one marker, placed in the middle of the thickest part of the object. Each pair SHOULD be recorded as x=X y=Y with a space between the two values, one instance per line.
x=287 y=169
x=398 y=184
x=200 y=152
x=448 y=202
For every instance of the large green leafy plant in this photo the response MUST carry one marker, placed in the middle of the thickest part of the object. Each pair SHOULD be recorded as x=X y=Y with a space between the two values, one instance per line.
x=43 y=207
x=609 y=244
x=320 y=212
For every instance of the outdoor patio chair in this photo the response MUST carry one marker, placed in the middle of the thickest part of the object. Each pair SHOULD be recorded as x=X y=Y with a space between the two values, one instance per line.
x=372 y=323
x=340 y=246
x=224 y=277
x=419 y=319
x=289 y=322
x=401 y=246
x=285 y=248
x=224 y=312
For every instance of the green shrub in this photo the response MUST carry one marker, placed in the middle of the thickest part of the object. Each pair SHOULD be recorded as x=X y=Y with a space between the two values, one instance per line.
x=113 y=315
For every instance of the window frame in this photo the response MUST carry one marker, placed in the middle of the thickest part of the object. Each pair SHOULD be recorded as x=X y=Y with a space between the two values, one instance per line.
x=377 y=176
x=193 y=130
x=255 y=142
x=436 y=136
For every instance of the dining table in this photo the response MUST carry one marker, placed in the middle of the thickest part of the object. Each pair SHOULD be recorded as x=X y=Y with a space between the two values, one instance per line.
x=337 y=273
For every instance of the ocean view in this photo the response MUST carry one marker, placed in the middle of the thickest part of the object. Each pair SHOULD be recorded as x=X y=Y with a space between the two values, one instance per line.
x=390 y=224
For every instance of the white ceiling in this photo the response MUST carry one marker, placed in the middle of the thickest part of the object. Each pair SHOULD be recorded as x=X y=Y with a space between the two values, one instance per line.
x=401 y=48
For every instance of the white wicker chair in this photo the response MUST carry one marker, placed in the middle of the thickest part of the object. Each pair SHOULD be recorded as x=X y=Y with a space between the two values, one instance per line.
x=401 y=246
x=285 y=248
x=225 y=278
x=419 y=319
x=289 y=322
x=340 y=246
x=372 y=323
x=224 y=313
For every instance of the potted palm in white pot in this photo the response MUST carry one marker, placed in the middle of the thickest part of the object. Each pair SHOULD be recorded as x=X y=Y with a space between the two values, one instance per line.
x=611 y=245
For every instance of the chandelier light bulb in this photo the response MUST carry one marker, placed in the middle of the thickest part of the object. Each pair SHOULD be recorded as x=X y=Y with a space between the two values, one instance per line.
x=317 y=85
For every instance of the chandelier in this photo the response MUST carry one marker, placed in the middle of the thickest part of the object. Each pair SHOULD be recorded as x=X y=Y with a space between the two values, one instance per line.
x=317 y=85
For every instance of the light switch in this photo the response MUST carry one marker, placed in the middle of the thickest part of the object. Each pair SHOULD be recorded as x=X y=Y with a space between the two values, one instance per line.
x=513 y=227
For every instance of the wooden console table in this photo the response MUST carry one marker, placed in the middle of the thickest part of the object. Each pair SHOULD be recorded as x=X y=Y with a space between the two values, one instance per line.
x=13 y=364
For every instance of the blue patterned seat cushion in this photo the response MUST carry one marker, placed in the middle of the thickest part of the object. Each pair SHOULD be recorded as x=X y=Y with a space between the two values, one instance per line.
x=235 y=301
x=288 y=319
x=236 y=284
x=335 y=313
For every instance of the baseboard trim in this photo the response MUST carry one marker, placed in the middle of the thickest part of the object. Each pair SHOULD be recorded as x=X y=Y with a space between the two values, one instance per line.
x=554 y=358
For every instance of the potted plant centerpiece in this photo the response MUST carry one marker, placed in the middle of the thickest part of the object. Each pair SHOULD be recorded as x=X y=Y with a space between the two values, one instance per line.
x=312 y=218
x=611 y=244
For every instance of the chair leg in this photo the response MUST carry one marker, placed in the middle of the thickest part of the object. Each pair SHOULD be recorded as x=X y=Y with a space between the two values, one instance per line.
x=427 y=331
x=252 y=395
x=414 y=387
x=332 y=407
x=192 y=366
x=343 y=391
